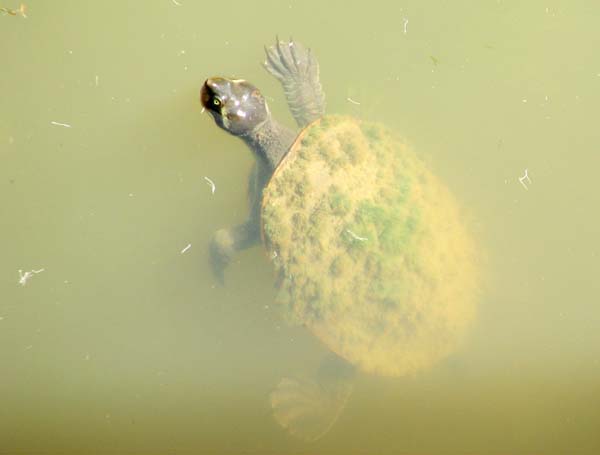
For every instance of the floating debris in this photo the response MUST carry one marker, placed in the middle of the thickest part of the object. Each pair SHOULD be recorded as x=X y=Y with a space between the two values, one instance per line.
x=66 y=125
x=15 y=12
x=356 y=237
x=24 y=277
x=213 y=187
x=176 y=2
x=405 y=25
x=189 y=245
x=524 y=179
x=353 y=101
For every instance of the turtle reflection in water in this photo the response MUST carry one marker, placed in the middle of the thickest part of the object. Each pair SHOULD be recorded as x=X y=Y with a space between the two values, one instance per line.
x=370 y=249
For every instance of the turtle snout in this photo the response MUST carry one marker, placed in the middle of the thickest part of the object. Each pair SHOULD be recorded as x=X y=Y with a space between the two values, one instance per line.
x=207 y=94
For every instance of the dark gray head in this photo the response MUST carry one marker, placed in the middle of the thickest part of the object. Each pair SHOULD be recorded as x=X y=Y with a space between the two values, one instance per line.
x=236 y=105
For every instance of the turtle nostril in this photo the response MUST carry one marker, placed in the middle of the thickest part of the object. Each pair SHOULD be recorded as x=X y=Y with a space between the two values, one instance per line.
x=206 y=94
x=214 y=83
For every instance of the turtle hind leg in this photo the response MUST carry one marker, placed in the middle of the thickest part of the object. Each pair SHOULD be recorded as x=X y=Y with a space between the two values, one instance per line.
x=307 y=409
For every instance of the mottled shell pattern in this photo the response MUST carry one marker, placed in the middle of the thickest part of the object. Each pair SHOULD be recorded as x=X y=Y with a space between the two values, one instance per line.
x=371 y=249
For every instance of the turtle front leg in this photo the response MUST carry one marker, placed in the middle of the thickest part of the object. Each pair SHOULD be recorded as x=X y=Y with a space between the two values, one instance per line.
x=226 y=242
x=298 y=71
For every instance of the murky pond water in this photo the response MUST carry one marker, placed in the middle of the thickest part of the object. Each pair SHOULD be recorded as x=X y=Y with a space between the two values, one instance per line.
x=116 y=338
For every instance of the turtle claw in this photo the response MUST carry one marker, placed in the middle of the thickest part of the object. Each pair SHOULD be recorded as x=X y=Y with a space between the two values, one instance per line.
x=272 y=65
x=288 y=60
x=218 y=274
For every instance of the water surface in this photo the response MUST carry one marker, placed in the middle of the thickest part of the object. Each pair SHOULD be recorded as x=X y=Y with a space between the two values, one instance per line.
x=124 y=344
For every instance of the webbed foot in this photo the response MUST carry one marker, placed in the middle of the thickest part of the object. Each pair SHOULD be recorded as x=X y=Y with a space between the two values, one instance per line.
x=289 y=60
x=298 y=71
x=226 y=242
x=309 y=409
x=306 y=409
x=221 y=253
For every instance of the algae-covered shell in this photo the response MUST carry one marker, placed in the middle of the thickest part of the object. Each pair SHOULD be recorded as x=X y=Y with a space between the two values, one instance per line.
x=372 y=250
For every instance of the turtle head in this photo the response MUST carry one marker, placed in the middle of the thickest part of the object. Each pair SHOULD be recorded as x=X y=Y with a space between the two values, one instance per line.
x=236 y=105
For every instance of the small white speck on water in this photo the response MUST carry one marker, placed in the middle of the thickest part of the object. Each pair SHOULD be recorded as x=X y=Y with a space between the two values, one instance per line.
x=405 y=25
x=1 y=318
x=130 y=194
x=524 y=100
x=96 y=80
x=25 y=277
x=188 y=246
x=213 y=187
x=356 y=237
x=65 y=125
x=181 y=52
x=87 y=357
x=18 y=12
x=175 y=2
x=353 y=101
x=524 y=180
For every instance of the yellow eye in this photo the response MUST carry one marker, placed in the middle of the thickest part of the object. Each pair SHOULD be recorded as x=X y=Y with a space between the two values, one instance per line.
x=216 y=101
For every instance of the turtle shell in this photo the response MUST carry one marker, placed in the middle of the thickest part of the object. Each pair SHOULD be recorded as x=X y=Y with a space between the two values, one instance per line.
x=372 y=251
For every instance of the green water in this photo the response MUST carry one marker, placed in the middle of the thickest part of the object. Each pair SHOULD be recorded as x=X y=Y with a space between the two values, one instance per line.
x=124 y=344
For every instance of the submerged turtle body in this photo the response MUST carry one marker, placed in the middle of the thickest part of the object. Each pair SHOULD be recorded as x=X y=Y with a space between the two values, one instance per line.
x=372 y=251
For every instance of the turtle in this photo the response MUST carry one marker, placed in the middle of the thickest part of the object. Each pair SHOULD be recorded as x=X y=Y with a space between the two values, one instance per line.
x=371 y=251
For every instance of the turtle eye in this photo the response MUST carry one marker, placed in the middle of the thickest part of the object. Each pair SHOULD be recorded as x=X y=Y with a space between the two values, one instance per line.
x=216 y=102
